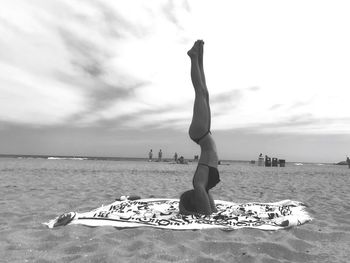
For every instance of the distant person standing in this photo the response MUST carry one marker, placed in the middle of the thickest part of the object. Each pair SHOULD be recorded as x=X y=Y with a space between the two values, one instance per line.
x=150 y=156
x=175 y=157
x=261 y=160
x=348 y=161
x=160 y=154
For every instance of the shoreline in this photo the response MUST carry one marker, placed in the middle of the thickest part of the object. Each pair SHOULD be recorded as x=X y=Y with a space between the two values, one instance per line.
x=113 y=158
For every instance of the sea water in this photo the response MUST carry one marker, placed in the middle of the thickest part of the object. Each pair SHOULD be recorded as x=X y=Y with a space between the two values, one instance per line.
x=35 y=190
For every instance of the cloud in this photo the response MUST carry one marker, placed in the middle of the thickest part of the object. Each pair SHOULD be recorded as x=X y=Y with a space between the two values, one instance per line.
x=225 y=102
x=302 y=124
x=35 y=100
x=124 y=62
x=79 y=55
x=85 y=55
x=231 y=96
x=172 y=116
x=171 y=9
x=300 y=104
x=276 y=106
x=92 y=62
x=117 y=24
x=254 y=89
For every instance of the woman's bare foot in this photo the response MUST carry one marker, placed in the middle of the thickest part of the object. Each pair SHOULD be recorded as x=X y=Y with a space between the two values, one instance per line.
x=194 y=51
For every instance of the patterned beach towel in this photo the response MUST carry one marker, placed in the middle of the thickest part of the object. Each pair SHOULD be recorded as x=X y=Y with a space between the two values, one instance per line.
x=164 y=213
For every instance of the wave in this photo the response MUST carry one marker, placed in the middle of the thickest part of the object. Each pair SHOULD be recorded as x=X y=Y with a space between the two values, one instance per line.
x=298 y=164
x=67 y=158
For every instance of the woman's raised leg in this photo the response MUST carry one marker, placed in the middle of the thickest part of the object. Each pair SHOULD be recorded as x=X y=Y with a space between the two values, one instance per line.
x=200 y=124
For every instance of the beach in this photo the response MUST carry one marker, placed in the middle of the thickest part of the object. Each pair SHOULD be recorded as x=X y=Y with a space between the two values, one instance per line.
x=35 y=190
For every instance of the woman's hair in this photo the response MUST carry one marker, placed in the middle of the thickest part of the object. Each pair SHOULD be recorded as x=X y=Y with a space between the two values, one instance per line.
x=187 y=200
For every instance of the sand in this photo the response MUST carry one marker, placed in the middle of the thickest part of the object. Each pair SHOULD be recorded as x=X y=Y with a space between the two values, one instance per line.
x=34 y=191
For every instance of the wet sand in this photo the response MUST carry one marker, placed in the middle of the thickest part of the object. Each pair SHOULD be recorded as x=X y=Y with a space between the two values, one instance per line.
x=33 y=191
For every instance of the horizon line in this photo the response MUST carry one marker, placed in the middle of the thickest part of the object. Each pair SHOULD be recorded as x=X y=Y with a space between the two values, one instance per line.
x=46 y=156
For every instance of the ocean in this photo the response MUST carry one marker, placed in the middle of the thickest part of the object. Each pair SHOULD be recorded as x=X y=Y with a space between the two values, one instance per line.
x=35 y=189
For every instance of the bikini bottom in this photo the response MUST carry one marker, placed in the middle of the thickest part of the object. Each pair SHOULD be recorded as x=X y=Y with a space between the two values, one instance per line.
x=213 y=177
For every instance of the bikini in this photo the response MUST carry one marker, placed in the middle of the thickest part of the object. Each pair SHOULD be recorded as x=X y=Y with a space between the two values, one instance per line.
x=213 y=176
x=200 y=138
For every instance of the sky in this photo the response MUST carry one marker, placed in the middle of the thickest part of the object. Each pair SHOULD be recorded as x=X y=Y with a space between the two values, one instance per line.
x=112 y=78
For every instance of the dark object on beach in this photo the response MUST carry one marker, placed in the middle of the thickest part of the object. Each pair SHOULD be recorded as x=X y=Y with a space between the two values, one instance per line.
x=181 y=160
x=252 y=162
x=274 y=162
x=267 y=161
x=270 y=161
x=346 y=162
x=342 y=163
x=282 y=162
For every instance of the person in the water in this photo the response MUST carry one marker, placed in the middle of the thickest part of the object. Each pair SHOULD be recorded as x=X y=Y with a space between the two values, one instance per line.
x=199 y=200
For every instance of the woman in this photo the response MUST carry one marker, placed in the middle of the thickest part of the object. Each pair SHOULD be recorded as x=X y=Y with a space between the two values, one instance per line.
x=206 y=176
